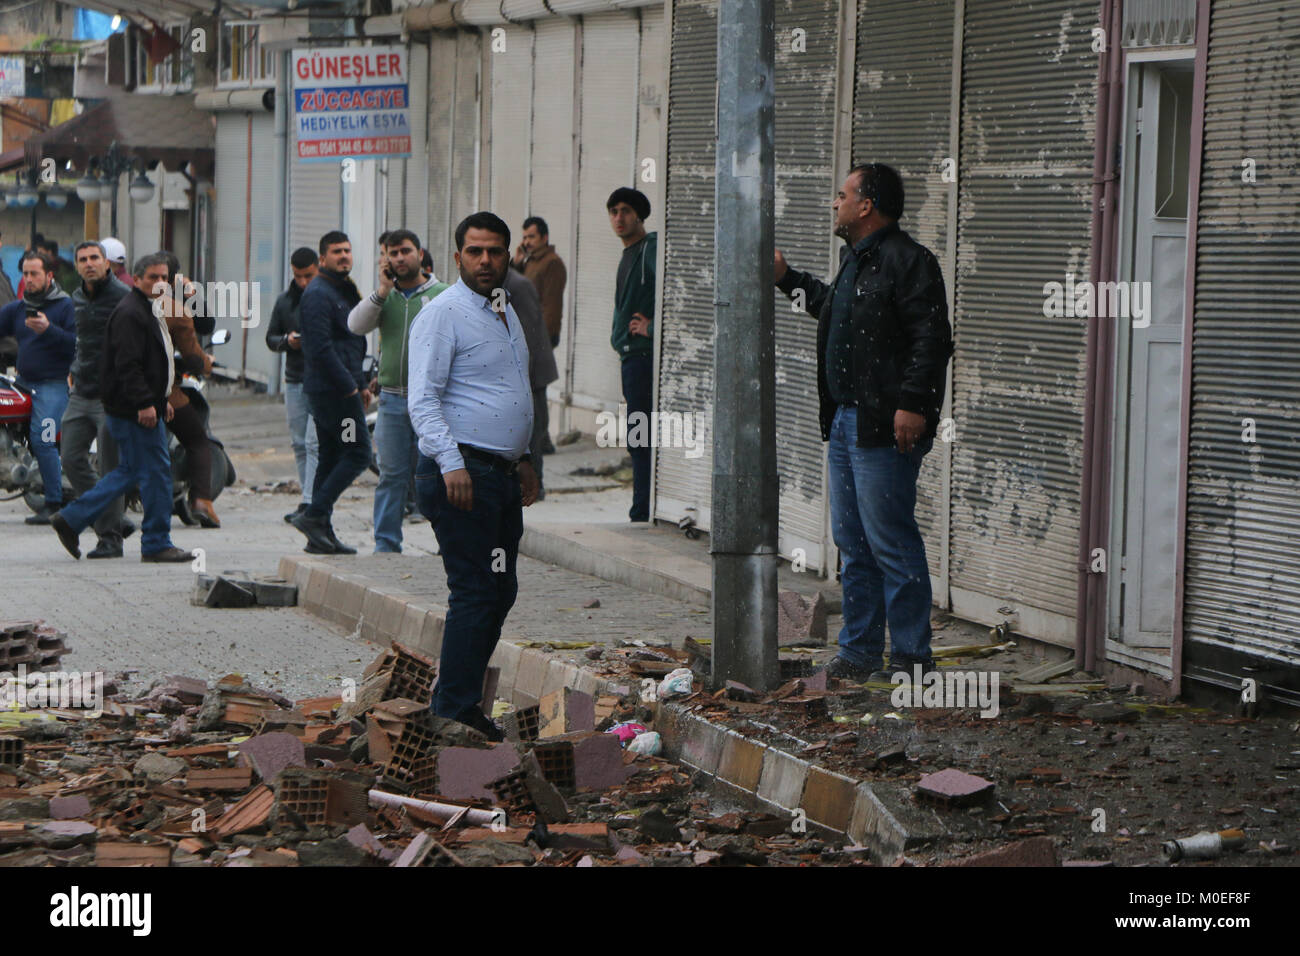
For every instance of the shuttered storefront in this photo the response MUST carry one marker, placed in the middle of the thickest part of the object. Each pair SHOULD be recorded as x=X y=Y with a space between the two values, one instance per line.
x=806 y=80
x=902 y=116
x=245 y=219
x=1242 y=579
x=407 y=192
x=1028 y=126
x=805 y=124
x=315 y=200
x=550 y=192
x=683 y=486
x=511 y=64
x=610 y=50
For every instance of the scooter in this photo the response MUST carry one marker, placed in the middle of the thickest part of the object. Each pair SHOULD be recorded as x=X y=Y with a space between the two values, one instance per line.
x=223 y=471
x=19 y=472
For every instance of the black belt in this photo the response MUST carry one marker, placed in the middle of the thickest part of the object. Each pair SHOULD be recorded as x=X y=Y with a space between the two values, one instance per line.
x=496 y=461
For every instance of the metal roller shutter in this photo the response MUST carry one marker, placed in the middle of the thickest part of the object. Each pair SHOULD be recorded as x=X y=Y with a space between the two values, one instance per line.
x=607 y=153
x=684 y=485
x=465 y=134
x=551 y=189
x=902 y=116
x=1028 y=121
x=512 y=120
x=806 y=80
x=651 y=85
x=1242 y=579
x=442 y=94
x=315 y=199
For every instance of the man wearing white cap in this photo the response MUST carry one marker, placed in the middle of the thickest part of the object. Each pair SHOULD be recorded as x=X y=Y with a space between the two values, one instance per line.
x=115 y=253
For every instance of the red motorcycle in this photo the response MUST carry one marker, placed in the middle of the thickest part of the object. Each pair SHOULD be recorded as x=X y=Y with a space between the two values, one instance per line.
x=19 y=472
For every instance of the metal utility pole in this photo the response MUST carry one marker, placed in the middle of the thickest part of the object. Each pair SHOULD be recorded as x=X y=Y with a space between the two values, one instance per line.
x=744 y=521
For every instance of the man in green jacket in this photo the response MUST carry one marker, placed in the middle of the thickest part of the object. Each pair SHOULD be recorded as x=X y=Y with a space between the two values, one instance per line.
x=633 y=333
x=391 y=308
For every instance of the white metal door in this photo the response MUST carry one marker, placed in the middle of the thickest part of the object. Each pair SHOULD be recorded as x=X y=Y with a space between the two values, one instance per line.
x=1146 y=513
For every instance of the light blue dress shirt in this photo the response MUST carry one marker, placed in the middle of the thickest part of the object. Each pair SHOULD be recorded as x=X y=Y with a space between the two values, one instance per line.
x=468 y=381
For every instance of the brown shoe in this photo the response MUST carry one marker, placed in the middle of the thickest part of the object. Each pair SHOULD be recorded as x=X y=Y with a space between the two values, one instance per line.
x=169 y=556
x=203 y=511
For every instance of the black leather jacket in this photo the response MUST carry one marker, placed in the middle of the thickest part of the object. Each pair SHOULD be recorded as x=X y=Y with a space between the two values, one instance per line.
x=92 y=321
x=901 y=337
x=284 y=319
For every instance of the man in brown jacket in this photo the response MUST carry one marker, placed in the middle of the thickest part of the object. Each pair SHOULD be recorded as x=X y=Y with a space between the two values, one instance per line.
x=537 y=260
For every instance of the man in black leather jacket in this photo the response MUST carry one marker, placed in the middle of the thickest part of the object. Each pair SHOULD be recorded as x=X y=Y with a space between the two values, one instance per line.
x=883 y=344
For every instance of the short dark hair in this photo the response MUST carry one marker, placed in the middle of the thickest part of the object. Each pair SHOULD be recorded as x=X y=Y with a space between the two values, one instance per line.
x=638 y=200
x=50 y=245
x=482 y=220
x=332 y=238
x=87 y=244
x=426 y=260
x=173 y=262
x=46 y=262
x=385 y=238
x=152 y=259
x=539 y=222
x=882 y=185
x=399 y=236
x=303 y=257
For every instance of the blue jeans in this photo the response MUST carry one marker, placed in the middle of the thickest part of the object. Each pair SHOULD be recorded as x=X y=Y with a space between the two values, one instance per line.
x=638 y=392
x=143 y=461
x=398 y=452
x=302 y=434
x=49 y=402
x=344 y=448
x=884 y=574
x=479 y=548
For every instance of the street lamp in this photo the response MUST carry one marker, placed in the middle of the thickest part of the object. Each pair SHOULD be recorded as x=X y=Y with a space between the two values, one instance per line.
x=25 y=196
x=141 y=189
x=56 y=197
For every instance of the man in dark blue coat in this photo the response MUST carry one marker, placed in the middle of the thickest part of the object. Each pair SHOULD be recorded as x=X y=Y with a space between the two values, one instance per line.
x=336 y=391
x=45 y=325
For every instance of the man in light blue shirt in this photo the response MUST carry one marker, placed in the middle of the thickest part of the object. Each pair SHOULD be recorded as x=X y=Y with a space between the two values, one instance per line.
x=471 y=406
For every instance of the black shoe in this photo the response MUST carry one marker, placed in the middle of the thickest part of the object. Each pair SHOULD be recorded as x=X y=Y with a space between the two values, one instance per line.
x=339 y=546
x=315 y=529
x=105 y=550
x=69 y=538
x=842 y=669
x=288 y=519
x=168 y=556
x=484 y=725
x=548 y=446
x=886 y=674
x=41 y=517
x=128 y=528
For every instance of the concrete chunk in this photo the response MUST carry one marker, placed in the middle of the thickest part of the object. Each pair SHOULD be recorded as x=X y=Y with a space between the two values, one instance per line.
x=800 y=620
x=465 y=772
x=598 y=763
x=268 y=754
x=566 y=711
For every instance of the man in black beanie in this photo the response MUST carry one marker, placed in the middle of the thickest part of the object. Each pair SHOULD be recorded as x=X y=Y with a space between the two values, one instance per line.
x=633 y=332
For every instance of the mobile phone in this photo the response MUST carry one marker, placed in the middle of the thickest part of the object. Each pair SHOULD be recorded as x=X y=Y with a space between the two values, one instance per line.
x=31 y=309
x=388 y=271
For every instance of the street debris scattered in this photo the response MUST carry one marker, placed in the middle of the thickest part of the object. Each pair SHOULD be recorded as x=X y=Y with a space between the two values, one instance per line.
x=239 y=589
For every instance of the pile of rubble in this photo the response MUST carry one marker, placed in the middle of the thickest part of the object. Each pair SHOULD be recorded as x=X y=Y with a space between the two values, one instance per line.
x=235 y=775
x=31 y=644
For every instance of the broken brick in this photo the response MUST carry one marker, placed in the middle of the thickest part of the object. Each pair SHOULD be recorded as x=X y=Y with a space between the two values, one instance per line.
x=953 y=787
x=598 y=763
x=268 y=754
x=566 y=711
x=465 y=772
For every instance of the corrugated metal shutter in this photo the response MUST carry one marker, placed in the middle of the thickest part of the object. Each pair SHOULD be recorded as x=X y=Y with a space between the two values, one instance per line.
x=1242 y=581
x=806 y=80
x=550 y=192
x=651 y=86
x=261 y=265
x=902 y=115
x=416 y=214
x=805 y=105
x=465 y=132
x=1028 y=122
x=229 y=207
x=442 y=96
x=315 y=199
x=610 y=49
x=512 y=120
x=686 y=344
